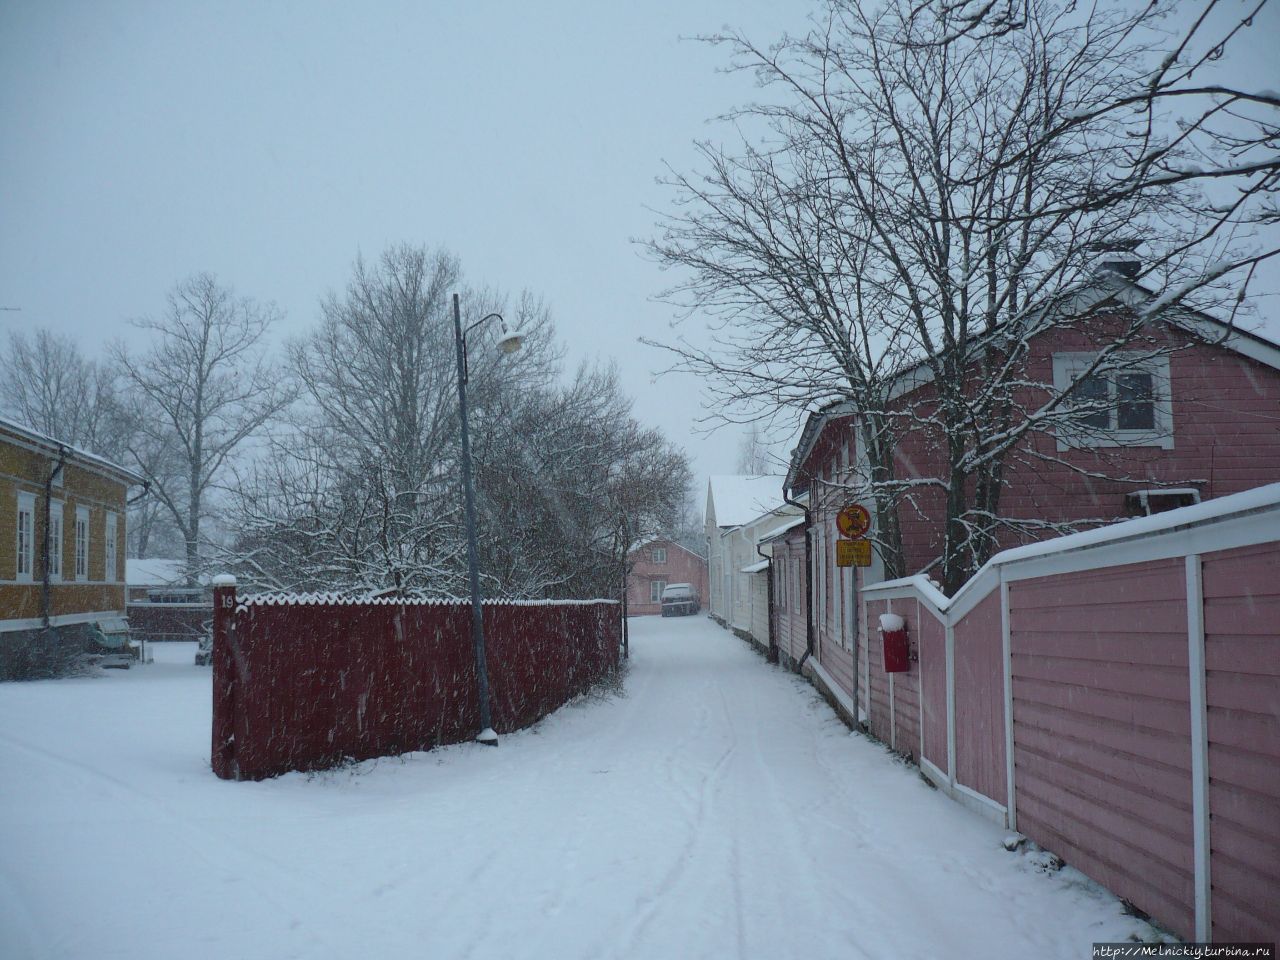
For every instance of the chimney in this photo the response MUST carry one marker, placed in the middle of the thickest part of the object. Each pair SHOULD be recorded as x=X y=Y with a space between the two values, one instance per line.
x=1117 y=258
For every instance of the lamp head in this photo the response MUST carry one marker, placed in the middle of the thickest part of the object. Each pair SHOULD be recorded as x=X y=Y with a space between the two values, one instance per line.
x=511 y=340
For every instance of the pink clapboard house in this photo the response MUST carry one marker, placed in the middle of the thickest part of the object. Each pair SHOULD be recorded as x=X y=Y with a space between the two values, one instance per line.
x=657 y=564
x=1104 y=698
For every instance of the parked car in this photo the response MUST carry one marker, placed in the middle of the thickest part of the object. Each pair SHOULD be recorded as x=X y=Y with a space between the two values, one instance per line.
x=680 y=599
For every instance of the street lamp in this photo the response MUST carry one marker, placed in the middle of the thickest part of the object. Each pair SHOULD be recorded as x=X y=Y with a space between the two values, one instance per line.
x=509 y=342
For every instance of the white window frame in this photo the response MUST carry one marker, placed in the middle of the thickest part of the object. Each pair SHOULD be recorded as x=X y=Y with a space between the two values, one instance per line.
x=24 y=539
x=57 y=540
x=82 y=544
x=110 y=547
x=655 y=590
x=1068 y=367
x=657 y=555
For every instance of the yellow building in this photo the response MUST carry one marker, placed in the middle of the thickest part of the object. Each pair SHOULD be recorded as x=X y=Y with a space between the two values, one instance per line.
x=73 y=581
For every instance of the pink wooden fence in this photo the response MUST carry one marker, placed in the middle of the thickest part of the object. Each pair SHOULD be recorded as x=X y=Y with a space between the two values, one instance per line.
x=1114 y=696
x=306 y=682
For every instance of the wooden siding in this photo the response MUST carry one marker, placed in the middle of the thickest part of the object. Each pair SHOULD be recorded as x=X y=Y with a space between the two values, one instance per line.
x=22 y=601
x=979 y=696
x=23 y=471
x=791 y=604
x=1242 y=686
x=760 y=607
x=931 y=642
x=1107 y=788
x=906 y=709
x=1224 y=408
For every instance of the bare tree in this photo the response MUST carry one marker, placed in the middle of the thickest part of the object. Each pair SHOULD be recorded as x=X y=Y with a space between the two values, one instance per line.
x=52 y=387
x=918 y=207
x=49 y=385
x=361 y=492
x=206 y=386
x=753 y=453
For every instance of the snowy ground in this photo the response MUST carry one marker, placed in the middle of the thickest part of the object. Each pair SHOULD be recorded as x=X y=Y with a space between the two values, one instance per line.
x=718 y=809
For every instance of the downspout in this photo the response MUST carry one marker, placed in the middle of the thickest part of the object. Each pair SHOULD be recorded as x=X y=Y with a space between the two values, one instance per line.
x=808 y=578
x=46 y=602
x=772 y=655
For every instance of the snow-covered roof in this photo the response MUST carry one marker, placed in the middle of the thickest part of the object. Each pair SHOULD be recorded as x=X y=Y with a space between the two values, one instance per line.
x=756 y=567
x=779 y=531
x=82 y=457
x=736 y=500
x=154 y=571
x=654 y=541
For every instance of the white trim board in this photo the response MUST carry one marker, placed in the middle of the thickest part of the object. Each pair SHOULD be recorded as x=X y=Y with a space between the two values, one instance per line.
x=970 y=799
x=837 y=691
x=1241 y=520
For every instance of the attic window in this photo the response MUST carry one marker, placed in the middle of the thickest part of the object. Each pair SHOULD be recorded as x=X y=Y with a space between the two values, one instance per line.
x=1143 y=503
x=658 y=554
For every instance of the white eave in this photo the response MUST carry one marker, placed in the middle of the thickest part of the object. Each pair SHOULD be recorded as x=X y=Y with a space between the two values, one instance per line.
x=756 y=567
x=82 y=458
x=779 y=531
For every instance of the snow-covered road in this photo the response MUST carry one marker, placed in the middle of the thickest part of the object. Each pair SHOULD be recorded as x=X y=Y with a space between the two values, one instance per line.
x=718 y=809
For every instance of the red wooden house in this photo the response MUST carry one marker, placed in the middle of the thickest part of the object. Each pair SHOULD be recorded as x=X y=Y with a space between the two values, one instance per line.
x=655 y=565
x=1209 y=426
x=1094 y=692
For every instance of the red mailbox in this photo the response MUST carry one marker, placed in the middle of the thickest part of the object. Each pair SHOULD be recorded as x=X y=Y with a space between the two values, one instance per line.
x=897 y=651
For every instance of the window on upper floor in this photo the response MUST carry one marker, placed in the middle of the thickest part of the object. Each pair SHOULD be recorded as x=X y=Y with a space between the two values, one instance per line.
x=1125 y=403
x=26 y=537
x=658 y=554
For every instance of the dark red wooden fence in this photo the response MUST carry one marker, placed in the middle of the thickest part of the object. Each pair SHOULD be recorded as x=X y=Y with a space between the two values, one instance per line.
x=306 y=682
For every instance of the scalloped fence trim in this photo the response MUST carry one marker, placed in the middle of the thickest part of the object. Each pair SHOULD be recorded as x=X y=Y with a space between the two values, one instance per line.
x=335 y=599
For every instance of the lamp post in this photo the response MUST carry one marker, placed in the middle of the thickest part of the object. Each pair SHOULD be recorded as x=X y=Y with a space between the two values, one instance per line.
x=509 y=342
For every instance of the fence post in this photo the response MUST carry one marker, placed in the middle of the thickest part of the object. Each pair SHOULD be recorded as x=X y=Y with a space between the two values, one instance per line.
x=223 y=755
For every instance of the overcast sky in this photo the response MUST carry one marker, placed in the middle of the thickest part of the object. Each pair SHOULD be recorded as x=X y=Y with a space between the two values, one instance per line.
x=271 y=143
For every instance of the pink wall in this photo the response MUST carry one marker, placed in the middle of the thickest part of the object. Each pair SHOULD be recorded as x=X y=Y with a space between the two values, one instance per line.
x=1101 y=728
x=979 y=696
x=1242 y=661
x=681 y=566
x=931 y=642
x=1225 y=407
x=1104 y=727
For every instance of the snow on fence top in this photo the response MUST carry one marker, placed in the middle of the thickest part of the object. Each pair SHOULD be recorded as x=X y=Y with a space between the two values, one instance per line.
x=335 y=599
x=1260 y=506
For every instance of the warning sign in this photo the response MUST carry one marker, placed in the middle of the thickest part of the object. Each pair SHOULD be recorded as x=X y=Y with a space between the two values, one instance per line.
x=853 y=521
x=853 y=553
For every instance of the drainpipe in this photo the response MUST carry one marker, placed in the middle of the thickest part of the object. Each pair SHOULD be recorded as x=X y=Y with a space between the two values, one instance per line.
x=808 y=577
x=46 y=603
x=772 y=655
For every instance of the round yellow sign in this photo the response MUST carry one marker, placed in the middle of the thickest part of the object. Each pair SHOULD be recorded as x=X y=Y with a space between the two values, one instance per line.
x=853 y=521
